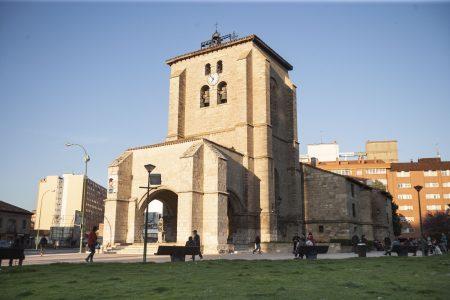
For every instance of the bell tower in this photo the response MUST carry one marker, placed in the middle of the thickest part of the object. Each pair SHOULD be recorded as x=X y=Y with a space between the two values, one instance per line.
x=236 y=92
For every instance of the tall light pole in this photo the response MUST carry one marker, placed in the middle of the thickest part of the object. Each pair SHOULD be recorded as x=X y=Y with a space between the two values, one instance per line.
x=418 y=188
x=86 y=159
x=40 y=211
x=149 y=169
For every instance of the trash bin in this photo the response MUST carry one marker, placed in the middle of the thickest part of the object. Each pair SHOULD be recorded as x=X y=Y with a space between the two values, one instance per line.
x=361 y=249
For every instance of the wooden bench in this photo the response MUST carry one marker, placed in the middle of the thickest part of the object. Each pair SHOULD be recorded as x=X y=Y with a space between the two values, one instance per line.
x=177 y=253
x=311 y=251
x=11 y=254
x=403 y=250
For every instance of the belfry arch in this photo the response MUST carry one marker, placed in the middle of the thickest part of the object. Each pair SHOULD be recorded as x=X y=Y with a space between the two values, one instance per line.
x=169 y=199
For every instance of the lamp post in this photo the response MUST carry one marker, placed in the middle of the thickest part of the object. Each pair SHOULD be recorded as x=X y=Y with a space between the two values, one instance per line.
x=86 y=159
x=149 y=169
x=418 y=188
x=40 y=211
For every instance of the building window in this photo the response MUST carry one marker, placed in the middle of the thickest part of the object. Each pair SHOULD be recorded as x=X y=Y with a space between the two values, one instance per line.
x=359 y=172
x=446 y=196
x=433 y=207
x=403 y=174
x=207 y=69
x=343 y=172
x=404 y=197
x=204 y=96
x=353 y=210
x=445 y=173
x=431 y=184
x=407 y=230
x=429 y=173
x=405 y=207
x=433 y=196
x=376 y=171
x=406 y=219
x=446 y=184
x=222 y=93
x=219 y=67
x=24 y=224
x=321 y=228
x=403 y=185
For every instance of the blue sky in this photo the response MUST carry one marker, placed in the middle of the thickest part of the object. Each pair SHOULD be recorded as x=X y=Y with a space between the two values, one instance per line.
x=94 y=73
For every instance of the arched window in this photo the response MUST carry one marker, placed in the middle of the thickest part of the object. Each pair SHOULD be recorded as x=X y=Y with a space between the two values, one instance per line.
x=207 y=69
x=219 y=67
x=222 y=93
x=204 y=96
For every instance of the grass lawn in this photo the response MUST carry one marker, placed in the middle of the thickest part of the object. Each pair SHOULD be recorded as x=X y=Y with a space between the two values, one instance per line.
x=372 y=278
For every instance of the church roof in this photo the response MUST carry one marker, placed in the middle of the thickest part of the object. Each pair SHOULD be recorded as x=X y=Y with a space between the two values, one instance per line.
x=251 y=38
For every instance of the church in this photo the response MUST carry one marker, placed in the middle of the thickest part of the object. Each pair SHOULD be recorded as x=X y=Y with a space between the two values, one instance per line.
x=229 y=165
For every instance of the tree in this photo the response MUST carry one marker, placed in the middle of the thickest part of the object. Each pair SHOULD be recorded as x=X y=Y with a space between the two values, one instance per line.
x=396 y=224
x=378 y=185
x=436 y=224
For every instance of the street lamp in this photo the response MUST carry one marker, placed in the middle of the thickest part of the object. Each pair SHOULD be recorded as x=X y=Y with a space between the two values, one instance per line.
x=86 y=159
x=418 y=188
x=149 y=168
x=40 y=211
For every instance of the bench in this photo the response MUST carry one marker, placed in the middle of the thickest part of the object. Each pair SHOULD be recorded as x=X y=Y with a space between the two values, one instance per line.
x=311 y=251
x=11 y=254
x=177 y=253
x=403 y=250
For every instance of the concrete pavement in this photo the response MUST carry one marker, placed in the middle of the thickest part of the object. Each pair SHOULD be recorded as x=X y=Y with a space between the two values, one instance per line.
x=70 y=257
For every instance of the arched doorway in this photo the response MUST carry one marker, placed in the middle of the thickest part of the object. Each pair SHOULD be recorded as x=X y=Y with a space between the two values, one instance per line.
x=237 y=231
x=163 y=209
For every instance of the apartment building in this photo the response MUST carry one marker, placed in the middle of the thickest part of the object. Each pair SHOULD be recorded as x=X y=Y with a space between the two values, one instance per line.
x=58 y=208
x=433 y=175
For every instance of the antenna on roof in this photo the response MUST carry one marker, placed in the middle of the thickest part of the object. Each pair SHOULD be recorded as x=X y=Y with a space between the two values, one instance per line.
x=437 y=150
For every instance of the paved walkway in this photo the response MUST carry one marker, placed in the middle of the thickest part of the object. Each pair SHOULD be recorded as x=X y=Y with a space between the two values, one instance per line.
x=49 y=258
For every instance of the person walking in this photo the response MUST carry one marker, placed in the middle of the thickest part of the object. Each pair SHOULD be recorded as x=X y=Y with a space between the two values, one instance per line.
x=92 y=241
x=42 y=244
x=257 y=245
x=387 y=245
x=197 y=243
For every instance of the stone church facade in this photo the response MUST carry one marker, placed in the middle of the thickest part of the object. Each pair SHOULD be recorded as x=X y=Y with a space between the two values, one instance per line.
x=229 y=165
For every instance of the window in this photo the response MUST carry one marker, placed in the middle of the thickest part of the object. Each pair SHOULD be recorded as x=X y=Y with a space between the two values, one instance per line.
x=321 y=228
x=376 y=171
x=207 y=69
x=204 y=96
x=433 y=196
x=429 y=173
x=409 y=219
x=343 y=172
x=359 y=172
x=219 y=68
x=431 y=184
x=353 y=210
x=407 y=230
x=403 y=174
x=446 y=196
x=445 y=173
x=433 y=207
x=404 y=196
x=405 y=207
x=404 y=185
x=352 y=189
x=446 y=184
x=222 y=93
x=24 y=224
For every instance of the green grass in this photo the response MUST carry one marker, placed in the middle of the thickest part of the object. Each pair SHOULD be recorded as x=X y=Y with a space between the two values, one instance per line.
x=367 y=278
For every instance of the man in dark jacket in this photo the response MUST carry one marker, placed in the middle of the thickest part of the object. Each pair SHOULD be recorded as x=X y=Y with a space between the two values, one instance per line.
x=197 y=243
x=257 y=245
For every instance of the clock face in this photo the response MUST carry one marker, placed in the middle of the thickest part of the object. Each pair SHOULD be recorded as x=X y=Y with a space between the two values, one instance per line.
x=213 y=79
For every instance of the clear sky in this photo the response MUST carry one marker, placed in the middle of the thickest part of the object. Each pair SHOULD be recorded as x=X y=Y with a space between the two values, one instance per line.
x=94 y=73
